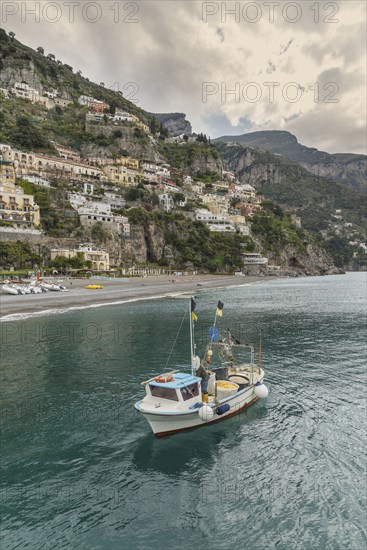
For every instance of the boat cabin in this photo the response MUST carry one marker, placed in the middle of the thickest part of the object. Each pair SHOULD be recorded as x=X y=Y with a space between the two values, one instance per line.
x=182 y=388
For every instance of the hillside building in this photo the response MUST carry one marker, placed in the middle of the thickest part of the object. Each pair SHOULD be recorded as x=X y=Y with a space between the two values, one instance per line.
x=121 y=175
x=100 y=258
x=42 y=164
x=24 y=91
x=17 y=208
x=215 y=222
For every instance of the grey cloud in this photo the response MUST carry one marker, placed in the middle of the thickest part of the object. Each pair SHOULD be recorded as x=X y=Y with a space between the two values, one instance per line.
x=170 y=52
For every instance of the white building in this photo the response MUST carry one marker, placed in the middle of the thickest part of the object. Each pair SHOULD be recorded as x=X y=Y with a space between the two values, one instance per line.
x=24 y=91
x=76 y=200
x=121 y=116
x=215 y=222
x=36 y=180
x=88 y=188
x=163 y=170
x=166 y=202
x=150 y=177
x=149 y=166
x=52 y=94
x=98 y=208
x=123 y=225
x=254 y=259
x=187 y=180
x=116 y=202
x=85 y=100
x=91 y=213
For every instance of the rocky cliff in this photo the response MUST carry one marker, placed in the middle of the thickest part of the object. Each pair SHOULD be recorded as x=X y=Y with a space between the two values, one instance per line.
x=314 y=261
x=175 y=123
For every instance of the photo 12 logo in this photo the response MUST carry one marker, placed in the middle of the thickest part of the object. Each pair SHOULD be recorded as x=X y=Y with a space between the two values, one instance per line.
x=255 y=12
x=129 y=90
x=71 y=12
x=253 y=92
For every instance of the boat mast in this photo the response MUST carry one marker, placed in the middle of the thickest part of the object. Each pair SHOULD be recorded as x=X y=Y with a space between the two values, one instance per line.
x=192 y=345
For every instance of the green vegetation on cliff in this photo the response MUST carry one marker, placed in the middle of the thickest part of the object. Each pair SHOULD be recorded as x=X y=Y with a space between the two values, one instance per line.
x=190 y=242
x=195 y=158
x=276 y=230
x=17 y=255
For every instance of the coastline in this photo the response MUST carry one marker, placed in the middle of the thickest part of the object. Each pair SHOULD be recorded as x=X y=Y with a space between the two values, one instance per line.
x=113 y=292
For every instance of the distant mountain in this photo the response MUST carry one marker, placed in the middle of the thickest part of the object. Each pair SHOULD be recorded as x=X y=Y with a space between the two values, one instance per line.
x=346 y=168
x=175 y=123
x=313 y=199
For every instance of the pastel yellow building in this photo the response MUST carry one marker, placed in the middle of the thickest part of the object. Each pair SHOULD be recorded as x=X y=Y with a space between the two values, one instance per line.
x=129 y=162
x=18 y=208
x=121 y=175
x=7 y=173
x=100 y=258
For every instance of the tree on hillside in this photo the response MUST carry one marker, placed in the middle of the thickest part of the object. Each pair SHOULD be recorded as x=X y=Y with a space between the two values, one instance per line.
x=26 y=135
x=163 y=131
x=40 y=50
x=153 y=125
x=202 y=138
x=51 y=57
x=179 y=197
x=99 y=233
x=12 y=35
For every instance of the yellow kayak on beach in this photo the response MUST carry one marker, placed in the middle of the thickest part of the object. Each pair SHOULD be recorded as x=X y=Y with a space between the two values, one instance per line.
x=93 y=287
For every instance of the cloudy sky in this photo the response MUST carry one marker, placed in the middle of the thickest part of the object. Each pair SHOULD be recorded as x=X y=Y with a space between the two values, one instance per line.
x=232 y=67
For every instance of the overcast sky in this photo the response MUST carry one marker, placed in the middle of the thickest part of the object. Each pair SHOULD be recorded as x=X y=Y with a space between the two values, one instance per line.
x=296 y=66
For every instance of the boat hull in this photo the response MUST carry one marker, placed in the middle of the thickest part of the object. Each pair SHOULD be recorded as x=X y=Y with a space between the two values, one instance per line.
x=168 y=424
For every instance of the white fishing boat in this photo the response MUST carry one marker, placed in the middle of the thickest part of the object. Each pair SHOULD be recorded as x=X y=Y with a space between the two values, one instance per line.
x=175 y=401
x=10 y=289
x=51 y=286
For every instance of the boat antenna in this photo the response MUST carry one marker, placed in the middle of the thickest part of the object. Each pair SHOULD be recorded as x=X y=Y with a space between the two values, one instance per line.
x=174 y=343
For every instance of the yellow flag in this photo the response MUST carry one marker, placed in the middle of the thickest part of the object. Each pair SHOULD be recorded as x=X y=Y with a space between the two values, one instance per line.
x=193 y=316
x=219 y=312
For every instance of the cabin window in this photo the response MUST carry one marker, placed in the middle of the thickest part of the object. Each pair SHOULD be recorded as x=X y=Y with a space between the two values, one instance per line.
x=164 y=393
x=190 y=391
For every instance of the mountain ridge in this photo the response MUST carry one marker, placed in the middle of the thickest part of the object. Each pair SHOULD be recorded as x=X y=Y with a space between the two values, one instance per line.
x=347 y=168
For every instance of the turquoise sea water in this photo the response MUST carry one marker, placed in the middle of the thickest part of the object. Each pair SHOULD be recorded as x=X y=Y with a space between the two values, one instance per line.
x=81 y=469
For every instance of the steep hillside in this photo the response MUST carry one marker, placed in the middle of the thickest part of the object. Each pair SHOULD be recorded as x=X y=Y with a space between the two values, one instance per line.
x=348 y=169
x=327 y=209
x=19 y=62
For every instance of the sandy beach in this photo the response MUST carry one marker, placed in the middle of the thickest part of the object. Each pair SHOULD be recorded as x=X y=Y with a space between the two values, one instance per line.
x=112 y=291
